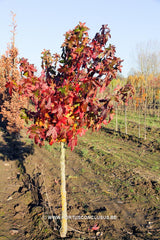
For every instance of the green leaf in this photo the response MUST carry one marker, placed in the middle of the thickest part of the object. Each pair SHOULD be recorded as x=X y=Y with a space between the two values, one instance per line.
x=25 y=74
x=62 y=90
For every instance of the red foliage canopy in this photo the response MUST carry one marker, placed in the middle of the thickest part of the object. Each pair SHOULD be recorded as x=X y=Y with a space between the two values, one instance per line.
x=65 y=95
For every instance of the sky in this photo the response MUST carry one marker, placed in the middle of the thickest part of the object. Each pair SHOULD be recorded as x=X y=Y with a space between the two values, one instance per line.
x=41 y=24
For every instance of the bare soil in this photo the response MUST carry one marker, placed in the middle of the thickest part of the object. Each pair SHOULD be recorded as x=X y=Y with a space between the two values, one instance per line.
x=113 y=188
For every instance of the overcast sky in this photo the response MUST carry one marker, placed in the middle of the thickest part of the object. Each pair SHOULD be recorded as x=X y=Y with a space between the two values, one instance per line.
x=42 y=24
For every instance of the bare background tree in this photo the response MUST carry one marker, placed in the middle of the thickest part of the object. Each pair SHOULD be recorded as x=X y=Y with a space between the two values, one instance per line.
x=148 y=57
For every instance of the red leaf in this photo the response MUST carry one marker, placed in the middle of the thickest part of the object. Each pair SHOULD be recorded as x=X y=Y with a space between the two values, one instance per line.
x=111 y=117
x=77 y=88
x=9 y=85
x=95 y=227
x=63 y=120
x=48 y=106
x=72 y=143
x=81 y=115
x=77 y=110
x=98 y=66
x=60 y=111
x=51 y=142
x=105 y=122
x=37 y=139
x=52 y=132
x=102 y=89
x=84 y=106
x=81 y=131
x=70 y=121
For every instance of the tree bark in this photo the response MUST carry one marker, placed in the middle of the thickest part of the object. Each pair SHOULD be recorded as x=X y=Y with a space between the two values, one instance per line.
x=63 y=230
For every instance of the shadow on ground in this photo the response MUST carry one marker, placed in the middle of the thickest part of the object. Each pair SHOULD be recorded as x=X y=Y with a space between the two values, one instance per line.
x=13 y=148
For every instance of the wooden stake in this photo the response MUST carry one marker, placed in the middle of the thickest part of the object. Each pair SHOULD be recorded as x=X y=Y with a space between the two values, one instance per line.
x=63 y=230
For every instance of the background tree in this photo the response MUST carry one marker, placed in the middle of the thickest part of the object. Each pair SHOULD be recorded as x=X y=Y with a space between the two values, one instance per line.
x=148 y=58
x=114 y=83
x=10 y=106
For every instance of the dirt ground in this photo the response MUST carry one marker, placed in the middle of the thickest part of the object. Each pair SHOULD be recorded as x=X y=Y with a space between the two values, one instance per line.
x=113 y=188
x=14 y=216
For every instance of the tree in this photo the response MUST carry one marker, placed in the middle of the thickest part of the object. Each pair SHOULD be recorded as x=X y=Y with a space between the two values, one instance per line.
x=65 y=95
x=148 y=58
x=140 y=98
x=149 y=63
x=10 y=106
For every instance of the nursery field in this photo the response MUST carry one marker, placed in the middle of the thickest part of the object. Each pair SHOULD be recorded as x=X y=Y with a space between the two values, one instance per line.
x=113 y=186
x=112 y=176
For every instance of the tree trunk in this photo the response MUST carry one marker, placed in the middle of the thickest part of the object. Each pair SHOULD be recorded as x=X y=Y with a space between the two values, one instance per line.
x=116 y=117
x=139 y=135
x=125 y=112
x=145 y=113
x=63 y=230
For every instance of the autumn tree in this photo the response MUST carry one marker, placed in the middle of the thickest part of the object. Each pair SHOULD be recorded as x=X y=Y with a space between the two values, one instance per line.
x=65 y=95
x=10 y=105
x=148 y=59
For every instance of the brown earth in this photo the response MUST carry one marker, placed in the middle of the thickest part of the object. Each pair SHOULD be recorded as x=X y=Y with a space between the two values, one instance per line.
x=110 y=178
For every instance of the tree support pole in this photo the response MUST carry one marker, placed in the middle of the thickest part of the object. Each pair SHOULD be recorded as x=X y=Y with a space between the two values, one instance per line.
x=63 y=230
